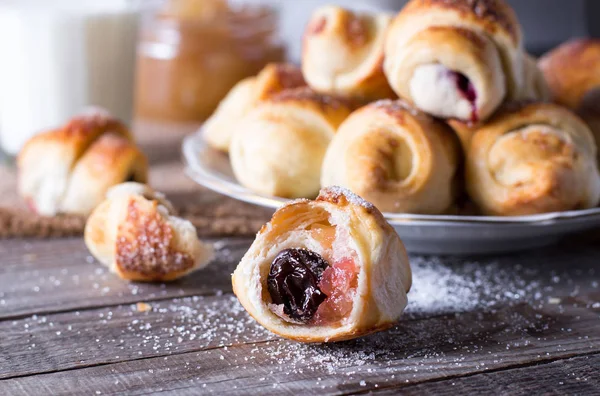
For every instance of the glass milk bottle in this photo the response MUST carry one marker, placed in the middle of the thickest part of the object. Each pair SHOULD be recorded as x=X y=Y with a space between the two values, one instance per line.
x=59 y=57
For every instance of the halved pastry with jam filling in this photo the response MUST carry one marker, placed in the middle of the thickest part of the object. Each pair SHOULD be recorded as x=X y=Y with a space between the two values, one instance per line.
x=326 y=270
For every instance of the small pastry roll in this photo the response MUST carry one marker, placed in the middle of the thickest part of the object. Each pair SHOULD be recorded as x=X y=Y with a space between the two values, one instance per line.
x=398 y=158
x=273 y=79
x=533 y=158
x=136 y=235
x=47 y=161
x=455 y=59
x=343 y=53
x=278 y=147
x=571 y=71
x=325 y=270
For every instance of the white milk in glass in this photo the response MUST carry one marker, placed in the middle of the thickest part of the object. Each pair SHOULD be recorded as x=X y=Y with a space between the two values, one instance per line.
x=59 y=57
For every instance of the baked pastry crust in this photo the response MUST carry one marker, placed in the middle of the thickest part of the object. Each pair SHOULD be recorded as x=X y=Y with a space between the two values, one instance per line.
x=274 y=78
x=480 y=41
x=278 y=147
x=533 y=158
x=384 y=272
x=396 y=157
x=343 y=53
x=571 y=71
x=135 y=234
x=54 y=166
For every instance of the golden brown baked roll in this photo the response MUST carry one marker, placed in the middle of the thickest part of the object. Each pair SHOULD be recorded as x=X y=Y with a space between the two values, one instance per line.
x=398 y=158
x=273 y=79
x=572 y=72
x=343 y=53
x=136 y=235
x=278 y=147
x=69 y=169
x=533 y=158
x=325 y=270
x=455 y=59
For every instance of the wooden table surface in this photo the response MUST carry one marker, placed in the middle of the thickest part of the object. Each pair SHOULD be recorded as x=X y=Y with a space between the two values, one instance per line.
x=523 y=324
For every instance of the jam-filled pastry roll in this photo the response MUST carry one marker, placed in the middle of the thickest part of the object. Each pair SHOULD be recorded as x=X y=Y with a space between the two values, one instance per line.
x=343 y=53
x=135 y=233
x=325 y=270
x=278 y=147
x=533 y=158
x=398 y=158
x=573 y=73
x=69 y=169
x=455 y=59
x=273 y=79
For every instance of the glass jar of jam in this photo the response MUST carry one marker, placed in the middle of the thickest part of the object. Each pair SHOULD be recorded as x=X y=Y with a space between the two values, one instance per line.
x=191 y=53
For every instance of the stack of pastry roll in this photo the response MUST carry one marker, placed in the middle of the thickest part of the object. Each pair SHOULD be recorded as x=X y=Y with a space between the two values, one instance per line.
x=573 y=74
x=458 y=67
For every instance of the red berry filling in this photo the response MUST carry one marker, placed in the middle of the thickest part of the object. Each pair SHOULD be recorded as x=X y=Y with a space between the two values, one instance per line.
x=293 y=283
x=306 y=287
x=467 y=90
x=339 y=282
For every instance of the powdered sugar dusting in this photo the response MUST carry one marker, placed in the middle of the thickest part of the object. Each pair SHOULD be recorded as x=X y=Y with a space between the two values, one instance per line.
x=196 y=321
x=334 y=192
x=449 y=285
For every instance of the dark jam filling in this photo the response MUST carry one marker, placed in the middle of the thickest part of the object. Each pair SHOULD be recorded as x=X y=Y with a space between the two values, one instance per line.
x=467 y=90
x=293 y=282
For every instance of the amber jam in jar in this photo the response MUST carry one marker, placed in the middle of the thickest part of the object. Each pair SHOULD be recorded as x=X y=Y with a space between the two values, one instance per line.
x=188 y=59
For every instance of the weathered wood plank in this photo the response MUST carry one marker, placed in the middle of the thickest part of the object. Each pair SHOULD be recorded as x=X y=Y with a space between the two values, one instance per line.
x=50 y=276
x=38 y=277
x=564 y=377
x=515 y=311
x=415 y=351
x=43 y=343
x=440 y=287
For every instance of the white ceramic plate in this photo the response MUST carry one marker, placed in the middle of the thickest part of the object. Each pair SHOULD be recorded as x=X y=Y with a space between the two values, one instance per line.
x=426 y=234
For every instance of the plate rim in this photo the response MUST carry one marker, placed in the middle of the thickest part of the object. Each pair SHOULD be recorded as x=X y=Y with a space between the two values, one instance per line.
x=192 y=144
